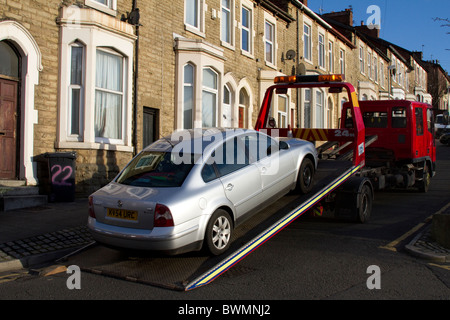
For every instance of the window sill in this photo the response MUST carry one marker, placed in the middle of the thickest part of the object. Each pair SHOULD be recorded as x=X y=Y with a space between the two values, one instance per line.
x=92 y=146
x=271 y=65
x=194 y=30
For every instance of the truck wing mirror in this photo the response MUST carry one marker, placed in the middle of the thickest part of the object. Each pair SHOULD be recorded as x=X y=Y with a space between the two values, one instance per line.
x=272 y=122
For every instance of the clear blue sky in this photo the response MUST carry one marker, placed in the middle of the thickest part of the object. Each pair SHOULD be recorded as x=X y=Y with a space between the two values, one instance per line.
x=406 y=23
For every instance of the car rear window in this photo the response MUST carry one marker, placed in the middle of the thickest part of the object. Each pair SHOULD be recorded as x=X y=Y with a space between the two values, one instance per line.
x=155 y=169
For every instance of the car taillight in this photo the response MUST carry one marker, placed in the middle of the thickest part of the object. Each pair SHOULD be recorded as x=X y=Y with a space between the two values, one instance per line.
x=163 y=216
x=91 y=207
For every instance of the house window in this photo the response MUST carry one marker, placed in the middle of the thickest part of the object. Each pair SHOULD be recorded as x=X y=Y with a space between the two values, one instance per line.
x=226 y=107
x=188 y=96
x=109 y=96
x=192 y=13
x=227 y=22
x=319 y=109
x=307 y=42
x=342 y=61
x=194 y=16
x=330 y=57
x=321 y=51
x=244 y=103
x=382 y=74
x=375 y=67
x=369 y=67
x=269 y=39
x=209 y=98
x=246 y=33
x=282 y=111
x=361 y=59
x=307 y=109
x=76 y=89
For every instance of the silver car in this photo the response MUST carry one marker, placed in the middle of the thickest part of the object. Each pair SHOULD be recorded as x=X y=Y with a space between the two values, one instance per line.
x=191 y=189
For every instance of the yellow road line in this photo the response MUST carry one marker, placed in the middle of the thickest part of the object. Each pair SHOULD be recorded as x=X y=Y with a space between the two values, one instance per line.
x=440 y=266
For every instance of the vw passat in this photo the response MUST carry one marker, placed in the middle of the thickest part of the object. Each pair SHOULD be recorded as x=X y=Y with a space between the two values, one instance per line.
x=191 y=189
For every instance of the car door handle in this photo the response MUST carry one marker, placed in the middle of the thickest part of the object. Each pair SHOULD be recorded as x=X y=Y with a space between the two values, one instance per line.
x=229 y=187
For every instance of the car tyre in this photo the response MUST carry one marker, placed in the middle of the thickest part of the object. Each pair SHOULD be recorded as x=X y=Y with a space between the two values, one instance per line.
x=218 y=232
x=305 y=179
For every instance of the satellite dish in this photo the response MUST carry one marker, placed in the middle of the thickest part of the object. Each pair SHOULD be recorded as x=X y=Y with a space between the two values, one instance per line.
x=301 y=69
x=290 y=55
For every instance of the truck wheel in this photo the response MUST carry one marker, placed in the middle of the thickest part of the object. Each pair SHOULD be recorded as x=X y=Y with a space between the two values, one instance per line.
x=305 y=179
x=218 y=232
x=425 y=183
x=365 y=204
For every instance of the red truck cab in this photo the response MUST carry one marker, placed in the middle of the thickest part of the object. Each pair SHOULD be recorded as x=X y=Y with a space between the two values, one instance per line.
x=405 y=137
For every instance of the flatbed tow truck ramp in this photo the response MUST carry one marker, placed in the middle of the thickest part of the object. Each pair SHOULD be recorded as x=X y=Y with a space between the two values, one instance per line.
x=195 y=269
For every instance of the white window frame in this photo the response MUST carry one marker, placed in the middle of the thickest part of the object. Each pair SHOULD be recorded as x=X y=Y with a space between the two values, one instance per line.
x=109 y=8
x=342 y=61
x=362 y=66
x=369 y=64
x=319 y=109
x=189 y=85
x=307 y=117
x=120 y=140
x=71 y=136
x=92 y=35
x=382 y=74
x=321 y=50
x=215 y=92
x=273 y=43
x=198 y=29
x=247 y=5
x=331 y=56
x=202 y=55
x=375 y=66
x=283 y=115
x=307 y=43
x=230 y=26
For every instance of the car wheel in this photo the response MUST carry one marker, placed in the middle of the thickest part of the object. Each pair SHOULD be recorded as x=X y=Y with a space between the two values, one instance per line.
x=305 y=179
x=218 y=232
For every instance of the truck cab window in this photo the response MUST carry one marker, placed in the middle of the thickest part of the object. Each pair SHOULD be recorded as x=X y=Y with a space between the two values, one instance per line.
x=398 y=117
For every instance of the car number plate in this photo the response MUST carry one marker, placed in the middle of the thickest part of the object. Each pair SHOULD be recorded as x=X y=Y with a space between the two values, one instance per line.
x=122 y=214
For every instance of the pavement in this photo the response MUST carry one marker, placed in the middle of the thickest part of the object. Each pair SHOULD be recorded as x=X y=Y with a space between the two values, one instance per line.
x=37 y=236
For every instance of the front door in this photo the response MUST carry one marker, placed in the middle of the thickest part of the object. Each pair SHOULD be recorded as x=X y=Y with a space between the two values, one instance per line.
x=8 y=128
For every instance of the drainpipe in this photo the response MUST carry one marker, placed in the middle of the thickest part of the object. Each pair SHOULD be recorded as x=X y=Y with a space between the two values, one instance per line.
x=296 y=72
x=135 y=21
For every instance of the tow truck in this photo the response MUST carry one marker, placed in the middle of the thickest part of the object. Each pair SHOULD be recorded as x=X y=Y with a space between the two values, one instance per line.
x=343 y=186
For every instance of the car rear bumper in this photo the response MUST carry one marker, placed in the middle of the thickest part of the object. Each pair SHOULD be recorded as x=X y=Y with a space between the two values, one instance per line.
x=167 y=239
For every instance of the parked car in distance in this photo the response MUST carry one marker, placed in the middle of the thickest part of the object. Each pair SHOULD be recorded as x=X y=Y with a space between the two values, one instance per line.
x=445 y=138
x=191 y=189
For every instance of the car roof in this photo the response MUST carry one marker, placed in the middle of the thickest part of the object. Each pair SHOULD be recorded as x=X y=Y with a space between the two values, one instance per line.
x=192 y=139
